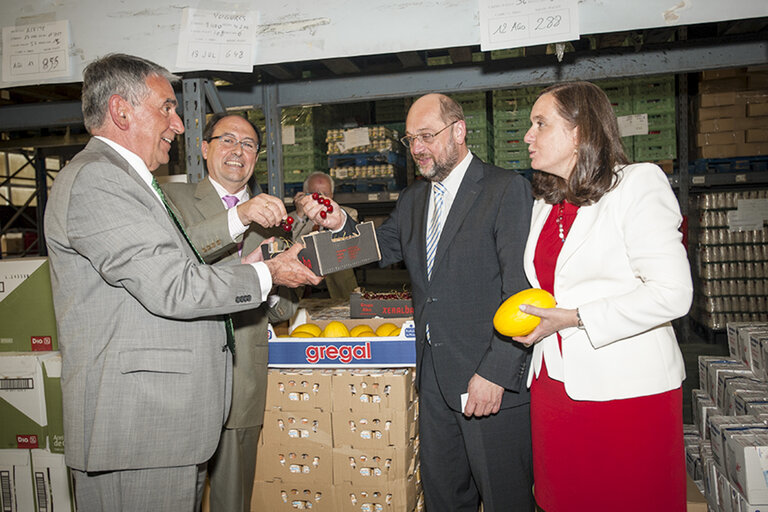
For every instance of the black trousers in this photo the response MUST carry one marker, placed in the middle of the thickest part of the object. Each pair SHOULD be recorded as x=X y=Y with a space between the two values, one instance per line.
x=466 y=460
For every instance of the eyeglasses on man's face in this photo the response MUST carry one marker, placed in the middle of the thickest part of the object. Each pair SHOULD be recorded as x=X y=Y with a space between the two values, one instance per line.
x=229 y=142
x=425 y=138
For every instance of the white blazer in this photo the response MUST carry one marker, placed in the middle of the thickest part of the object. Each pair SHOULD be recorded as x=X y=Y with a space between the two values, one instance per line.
x=624 y=266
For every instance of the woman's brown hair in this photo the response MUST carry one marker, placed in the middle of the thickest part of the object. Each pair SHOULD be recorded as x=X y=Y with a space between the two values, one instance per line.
x=600 y=153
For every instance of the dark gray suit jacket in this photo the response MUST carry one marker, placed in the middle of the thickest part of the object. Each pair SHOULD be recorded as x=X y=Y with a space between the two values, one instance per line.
x=479 y=263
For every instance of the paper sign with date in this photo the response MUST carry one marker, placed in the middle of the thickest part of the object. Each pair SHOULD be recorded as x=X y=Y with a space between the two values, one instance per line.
x=217 y=40
x=37 y=51
x=518 y=23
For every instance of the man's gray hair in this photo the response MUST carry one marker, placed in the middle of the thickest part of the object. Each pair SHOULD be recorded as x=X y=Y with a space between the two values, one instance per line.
x=305 y=187
x=116 y=73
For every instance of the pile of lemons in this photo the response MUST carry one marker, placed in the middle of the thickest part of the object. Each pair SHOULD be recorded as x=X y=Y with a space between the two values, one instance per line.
x=337 y=329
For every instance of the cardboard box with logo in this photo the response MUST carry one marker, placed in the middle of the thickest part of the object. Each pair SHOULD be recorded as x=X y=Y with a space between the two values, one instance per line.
x=22 y=401
x=27 y=321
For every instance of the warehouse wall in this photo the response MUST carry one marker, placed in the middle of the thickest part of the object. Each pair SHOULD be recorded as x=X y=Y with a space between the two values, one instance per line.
x=309 y=30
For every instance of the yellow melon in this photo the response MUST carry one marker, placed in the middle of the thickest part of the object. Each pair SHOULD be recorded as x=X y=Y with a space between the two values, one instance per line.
x=385 y=328
x=353 y=332
x=335 y=329
x=395 y=331
x=312 y=329
x=302 y=334
x=510 y=321
x=364 y=334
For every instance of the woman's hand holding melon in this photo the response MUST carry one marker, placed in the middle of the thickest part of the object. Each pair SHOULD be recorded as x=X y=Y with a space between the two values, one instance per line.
x=530 y=316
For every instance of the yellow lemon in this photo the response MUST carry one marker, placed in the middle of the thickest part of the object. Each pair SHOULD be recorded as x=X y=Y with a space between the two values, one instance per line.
x=510 y=321
x=312 y=329
x=358 y=329
x=385 y=328
x=302 y=334
x=335 y=329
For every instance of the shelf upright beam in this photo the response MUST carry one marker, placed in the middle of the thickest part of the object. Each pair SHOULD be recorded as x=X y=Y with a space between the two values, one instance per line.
x=273 y=139
x=195 y=93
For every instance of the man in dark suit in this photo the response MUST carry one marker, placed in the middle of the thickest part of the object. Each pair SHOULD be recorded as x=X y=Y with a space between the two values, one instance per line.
x=222 y=219
x=146 y=370
x=461 y=232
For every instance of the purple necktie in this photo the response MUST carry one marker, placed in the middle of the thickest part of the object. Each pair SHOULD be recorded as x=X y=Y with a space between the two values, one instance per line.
x=231 y=201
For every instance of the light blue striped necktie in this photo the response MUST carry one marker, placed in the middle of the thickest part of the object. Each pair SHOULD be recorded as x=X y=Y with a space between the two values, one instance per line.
x=435 y=225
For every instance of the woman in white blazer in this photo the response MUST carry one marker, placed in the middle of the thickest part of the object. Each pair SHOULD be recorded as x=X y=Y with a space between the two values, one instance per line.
x=606 y=399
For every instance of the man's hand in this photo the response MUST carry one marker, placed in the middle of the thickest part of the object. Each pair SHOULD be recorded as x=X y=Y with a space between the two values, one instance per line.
x=257 y=255
x=265 y=210
x=287 y=270
x=297 y=204
x=312 y=209
x=484 y=397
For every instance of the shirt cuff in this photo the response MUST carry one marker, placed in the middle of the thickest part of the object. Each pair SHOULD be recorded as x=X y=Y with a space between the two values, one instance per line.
x=265 y=279
x=342 y=224
x=236 y=227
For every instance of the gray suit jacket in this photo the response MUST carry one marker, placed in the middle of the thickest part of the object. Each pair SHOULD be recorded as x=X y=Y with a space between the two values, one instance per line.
x=205 y=219
x=478 y=264
x=146 y=376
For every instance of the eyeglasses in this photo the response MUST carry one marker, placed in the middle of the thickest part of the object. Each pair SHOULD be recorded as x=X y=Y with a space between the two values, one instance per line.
x=425 y=138
x=229 y=142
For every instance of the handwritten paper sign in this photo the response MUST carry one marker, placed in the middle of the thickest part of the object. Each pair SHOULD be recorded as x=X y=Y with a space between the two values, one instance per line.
x=36 y=51
x=217 y=40
x=636 y=124
x=517 y=23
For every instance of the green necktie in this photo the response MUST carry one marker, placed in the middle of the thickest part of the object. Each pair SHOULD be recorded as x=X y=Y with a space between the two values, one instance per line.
x=230 y=328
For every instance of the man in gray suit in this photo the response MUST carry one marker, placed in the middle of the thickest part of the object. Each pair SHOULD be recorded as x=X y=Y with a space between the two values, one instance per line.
x=461 y=232
x=216 y=214
x=146 y=374
x=339 y=284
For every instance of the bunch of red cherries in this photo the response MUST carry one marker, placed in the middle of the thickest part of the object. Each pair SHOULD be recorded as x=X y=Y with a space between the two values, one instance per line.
x=287 y=224
x=325 y=202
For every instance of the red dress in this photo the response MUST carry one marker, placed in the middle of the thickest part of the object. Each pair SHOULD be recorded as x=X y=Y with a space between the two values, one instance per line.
x=601 y=456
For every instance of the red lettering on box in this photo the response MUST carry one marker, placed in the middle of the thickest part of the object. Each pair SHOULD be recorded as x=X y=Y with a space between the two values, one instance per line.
x=26 y=442
x=307 y=262
x=340 y=254
x=344 y=353
x=41 y=343
x=353 y=251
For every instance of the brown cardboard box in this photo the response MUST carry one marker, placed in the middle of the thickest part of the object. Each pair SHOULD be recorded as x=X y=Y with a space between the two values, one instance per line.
x=305 y=464
x=385 y=308
x=278 y=496
x=729 y=124
x=373 y=391
x=367 y=431
x=719 y=138
x=399 y=496
x=696 y=500
x=733 y=150
x=372 y=467
x=757 y=134
x=734 y=83
x=299 y=390
x=297 y=428
x=717 y=74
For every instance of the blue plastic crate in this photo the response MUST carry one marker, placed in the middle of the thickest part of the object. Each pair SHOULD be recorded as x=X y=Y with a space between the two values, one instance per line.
x=372 y=158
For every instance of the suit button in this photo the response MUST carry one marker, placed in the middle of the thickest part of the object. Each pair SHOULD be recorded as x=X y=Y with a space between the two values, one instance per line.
x=429 y=300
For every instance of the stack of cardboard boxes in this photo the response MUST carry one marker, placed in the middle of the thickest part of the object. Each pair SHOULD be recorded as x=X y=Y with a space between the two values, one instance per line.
x=733 y=113
x=339 y=440
x=33 y=474
x=727 y=445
